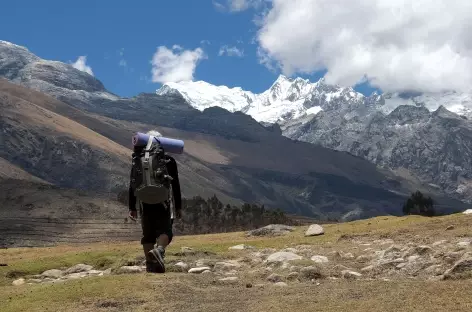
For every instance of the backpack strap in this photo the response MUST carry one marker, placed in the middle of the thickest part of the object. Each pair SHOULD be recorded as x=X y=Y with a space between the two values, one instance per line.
x=147 y=163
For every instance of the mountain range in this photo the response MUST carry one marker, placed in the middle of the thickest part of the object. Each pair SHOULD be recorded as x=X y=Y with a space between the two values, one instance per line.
x=428 y=135
x=60 y=126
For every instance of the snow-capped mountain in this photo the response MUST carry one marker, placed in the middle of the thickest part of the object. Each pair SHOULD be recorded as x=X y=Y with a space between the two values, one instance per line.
x=429 y=135
x=286 y=99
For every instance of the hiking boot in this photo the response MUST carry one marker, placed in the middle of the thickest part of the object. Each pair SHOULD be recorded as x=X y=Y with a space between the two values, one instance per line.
x=150 y=267
x=158 y=259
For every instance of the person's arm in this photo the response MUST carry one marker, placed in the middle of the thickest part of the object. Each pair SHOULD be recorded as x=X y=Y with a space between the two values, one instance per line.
x=174 y=173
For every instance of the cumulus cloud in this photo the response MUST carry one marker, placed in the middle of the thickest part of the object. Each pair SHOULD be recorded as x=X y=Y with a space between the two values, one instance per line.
x=230 y=51
x=176 y=64
x=422 y=45
x=81 y=64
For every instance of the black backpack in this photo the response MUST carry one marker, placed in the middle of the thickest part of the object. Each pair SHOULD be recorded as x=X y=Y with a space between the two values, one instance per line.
x=150 y=179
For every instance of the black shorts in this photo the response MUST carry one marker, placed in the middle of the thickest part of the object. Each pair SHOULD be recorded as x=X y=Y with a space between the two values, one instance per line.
x=155 y=220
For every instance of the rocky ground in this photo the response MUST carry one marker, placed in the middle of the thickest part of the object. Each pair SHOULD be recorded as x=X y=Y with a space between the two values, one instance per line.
x=359 y=258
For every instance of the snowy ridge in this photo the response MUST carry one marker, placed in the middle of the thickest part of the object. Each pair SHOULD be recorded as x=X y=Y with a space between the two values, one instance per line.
x=286 y=99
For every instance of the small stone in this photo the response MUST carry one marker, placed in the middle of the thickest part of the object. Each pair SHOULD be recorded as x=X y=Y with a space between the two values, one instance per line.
x=78 y=268
x=199 y=270
x=363 y=258
x=227 y=265
x=229 y=279
x=129 y=269
x=248 y=285
x=314 y=230
x=283 y=256
x=274 y=278
x=181 y=266
x=319 y=259
x=75 y=275
x=347 y=256
x=350 y=274
x=463 y=244
x=293 y=276
x=450 y=227
x=18 y=282
x=241 y=247
x=107 y=271
x=310 y=272
x=368 y=268
x=206 y=272
x=281 y=284
x=186 y=250
x=438 y=243
x=52 y=273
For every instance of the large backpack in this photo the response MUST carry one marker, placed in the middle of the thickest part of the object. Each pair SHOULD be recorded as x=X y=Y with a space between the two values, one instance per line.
x=150 y=178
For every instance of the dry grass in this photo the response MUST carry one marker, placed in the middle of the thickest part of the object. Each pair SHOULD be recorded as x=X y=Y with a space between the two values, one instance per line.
x=183 y=292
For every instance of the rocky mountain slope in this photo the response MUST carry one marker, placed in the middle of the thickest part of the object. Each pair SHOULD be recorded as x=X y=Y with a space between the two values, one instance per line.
x=426 y=134
x=227 y=154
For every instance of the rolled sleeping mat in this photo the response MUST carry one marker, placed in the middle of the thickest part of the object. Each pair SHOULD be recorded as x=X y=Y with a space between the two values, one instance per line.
x=173 y=146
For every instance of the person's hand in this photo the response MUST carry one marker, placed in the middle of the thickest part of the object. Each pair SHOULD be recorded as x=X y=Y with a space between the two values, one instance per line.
x=133 y=215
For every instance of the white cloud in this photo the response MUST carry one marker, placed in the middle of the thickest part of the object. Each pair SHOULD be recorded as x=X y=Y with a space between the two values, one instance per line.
x=122 y=62
x=238 y=5
x=81 y=65
x=231 y=51
x=176 y=64
x=422 y=45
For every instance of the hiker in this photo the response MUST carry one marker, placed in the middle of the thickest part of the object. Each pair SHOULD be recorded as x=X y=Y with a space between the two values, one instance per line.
x=156 y=219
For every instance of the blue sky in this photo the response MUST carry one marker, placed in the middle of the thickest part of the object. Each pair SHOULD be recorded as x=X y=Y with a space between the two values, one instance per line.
x=119 y=39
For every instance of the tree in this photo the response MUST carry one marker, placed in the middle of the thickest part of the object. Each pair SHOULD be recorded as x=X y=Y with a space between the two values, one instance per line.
x=418 y=204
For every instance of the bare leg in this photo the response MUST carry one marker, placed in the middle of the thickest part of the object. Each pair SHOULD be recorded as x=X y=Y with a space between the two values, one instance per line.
x=162 y=241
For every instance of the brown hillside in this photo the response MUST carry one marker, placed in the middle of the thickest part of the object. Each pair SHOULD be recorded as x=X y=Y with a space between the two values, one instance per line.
x=73 y=148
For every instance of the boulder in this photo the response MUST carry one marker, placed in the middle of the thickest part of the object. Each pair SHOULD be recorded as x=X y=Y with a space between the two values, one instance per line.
x=314 y=230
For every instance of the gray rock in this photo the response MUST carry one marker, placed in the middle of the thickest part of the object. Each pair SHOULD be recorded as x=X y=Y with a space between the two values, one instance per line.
x=271 y=230
x=310 y=272
x=281 y=284
x=314 y=230
x=199 y=270
x=229 y=279
x=206 y=272
x=54 y=273
x=77 y=275
x=227 y=265
x=439 y=243
x=462 y=268
x=350 y=274
x=293 y=276
x=319 y=259
x=241 y=247
x=18 y=282
x=283 y=256
x=181 y=266
x=78 y=268
x=274 y=278
x=130 y=269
